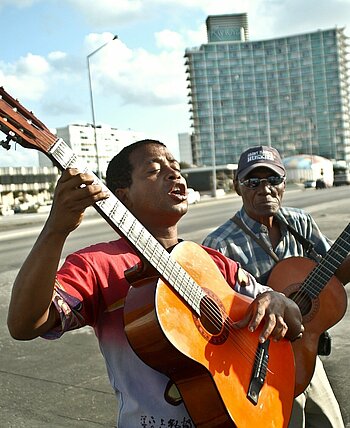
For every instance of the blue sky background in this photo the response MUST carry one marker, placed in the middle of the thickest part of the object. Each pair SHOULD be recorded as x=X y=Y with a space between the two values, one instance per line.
x=139 y=80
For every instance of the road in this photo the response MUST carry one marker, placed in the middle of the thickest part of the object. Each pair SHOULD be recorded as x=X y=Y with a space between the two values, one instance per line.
x=18 y=235
x=64 y=383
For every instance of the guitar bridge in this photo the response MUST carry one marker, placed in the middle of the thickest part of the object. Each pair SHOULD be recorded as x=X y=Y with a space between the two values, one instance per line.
x=259 y=372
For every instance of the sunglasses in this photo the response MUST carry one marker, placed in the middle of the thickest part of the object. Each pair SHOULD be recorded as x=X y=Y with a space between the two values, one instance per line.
x=253 y=183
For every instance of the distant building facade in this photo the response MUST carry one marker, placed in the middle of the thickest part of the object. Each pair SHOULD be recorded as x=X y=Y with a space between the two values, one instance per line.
x=185 y=148
x=32 y=186
x=96 y=153
x=301 y=168
x=290 y=92
x=26 y=185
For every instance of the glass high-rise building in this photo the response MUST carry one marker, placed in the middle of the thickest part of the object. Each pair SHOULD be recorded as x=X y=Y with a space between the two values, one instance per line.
x=290 y=92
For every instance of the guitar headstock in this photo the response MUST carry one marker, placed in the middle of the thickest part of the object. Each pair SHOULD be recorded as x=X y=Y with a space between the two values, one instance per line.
x=21 y=126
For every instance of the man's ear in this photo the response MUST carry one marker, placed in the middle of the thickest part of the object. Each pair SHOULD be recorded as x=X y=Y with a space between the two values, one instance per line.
x=237 y=187
x=122 y=194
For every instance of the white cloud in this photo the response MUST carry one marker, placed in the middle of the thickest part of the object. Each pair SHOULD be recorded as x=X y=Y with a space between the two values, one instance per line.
x=34 y=65
x=168 y=39
x=138 y=76
x=26 y=77
x=196 y=37
x=297 y=16
x=104 y=12
x=57 y=55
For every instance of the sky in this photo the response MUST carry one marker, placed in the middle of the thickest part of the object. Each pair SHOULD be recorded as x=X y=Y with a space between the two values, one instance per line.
x=139 y=79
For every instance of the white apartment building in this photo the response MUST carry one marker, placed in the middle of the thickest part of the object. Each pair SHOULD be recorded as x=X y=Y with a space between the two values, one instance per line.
x=96 y=150
x=185 y=148
x=291 y=92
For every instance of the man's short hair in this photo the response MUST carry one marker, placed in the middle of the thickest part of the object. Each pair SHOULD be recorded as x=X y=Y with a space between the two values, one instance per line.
x=119 y=170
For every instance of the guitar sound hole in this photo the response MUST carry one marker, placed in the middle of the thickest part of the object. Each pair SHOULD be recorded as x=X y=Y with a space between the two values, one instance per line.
x=303 y=300
x=211 y=317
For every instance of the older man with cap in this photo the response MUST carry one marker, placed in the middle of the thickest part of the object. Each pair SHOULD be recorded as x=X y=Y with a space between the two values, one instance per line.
x=260 y=234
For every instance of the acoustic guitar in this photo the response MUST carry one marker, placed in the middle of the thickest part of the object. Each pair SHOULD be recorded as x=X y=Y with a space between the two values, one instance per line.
x=180 y=318
x=321 y=298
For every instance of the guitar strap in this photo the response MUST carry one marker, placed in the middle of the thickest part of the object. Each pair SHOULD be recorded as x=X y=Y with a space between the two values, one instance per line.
x=308 y=245
x=324 y=342
x=262 y=243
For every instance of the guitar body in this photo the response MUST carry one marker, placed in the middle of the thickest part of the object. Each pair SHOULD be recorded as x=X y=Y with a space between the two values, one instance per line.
x=211 y=369
x=319 y=313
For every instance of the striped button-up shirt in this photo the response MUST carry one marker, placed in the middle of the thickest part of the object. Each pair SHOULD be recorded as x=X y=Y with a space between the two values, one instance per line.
x=236 y=244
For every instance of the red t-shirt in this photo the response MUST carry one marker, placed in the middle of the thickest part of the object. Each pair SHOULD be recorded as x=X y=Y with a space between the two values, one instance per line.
x=91 y=290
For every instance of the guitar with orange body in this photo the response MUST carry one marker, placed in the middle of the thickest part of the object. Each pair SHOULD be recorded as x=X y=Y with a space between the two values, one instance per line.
x=180 y=319
x=320 y=296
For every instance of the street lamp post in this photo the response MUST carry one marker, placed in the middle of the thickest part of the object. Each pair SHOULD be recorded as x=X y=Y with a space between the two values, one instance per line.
x=212 y=137
x=334 y=142
x=268 y=124
x=310 y=125
x=98 y=171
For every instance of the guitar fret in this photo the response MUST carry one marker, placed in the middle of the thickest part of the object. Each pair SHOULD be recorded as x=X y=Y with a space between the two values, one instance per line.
x=183 y=285
x=174 y=272
x=322 y=273
x=156 y=258
x=315 y=284
x=65 y=156
x=130 y=232
x=114 y=211
x=193 y=293
x=189 y=289
x=145 y=248
x=123 y=224
x=136 y=235
x=331 y=263
x=163 y=261
x=139 y=238
x=336 y=257
x=148 y=250
x=198 y=295
x=342 y=249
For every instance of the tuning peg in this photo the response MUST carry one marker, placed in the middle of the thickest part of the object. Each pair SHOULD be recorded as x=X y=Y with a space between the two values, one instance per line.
x=11 y=138
x=6 y=144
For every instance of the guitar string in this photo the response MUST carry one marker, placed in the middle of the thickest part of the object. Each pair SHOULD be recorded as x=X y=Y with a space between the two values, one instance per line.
x=189 y=290
x=237 y=336
x=181 y=281
x=192 y=289
x=73 y=162
x=182 y=278
x=318 y=279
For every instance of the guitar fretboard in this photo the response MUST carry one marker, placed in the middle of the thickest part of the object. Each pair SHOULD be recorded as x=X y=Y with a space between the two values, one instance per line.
x=126 y=224
x=325 y=269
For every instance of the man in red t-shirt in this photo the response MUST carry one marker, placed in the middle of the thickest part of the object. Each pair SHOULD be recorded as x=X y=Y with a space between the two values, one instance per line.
x=90 y=288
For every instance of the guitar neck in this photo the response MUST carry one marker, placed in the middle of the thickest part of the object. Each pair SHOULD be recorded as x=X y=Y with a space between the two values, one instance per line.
x=326 y=268
x=126 y=224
